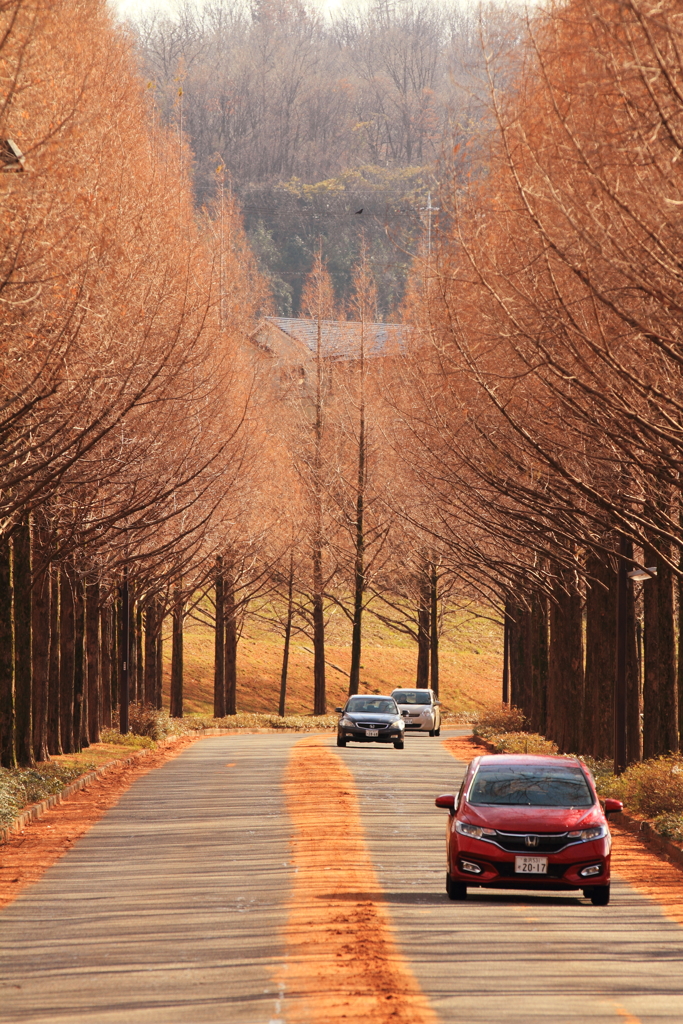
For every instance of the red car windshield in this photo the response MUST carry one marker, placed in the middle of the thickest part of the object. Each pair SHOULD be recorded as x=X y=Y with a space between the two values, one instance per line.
x=531 y=786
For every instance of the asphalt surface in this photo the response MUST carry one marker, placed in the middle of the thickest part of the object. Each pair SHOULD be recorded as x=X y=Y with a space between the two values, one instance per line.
x=171 y=908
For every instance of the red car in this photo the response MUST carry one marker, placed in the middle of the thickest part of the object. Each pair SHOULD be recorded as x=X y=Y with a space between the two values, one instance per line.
x=523 y=821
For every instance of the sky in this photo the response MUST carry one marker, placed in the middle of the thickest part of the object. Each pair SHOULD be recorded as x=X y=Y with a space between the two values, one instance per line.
x=133 y=7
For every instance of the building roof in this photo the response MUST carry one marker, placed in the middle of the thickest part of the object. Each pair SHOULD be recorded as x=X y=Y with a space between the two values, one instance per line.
x=340 y=338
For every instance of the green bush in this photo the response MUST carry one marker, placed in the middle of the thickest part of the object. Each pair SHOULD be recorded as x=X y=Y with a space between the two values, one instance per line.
x=22 y=786
x=129 y=740
x=670 y=825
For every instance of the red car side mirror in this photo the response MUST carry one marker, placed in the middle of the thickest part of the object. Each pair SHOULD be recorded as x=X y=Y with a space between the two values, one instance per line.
x=613 y=806
x=447 y=800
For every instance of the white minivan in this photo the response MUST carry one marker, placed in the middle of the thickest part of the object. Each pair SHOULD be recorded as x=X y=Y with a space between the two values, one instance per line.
x=421 y=710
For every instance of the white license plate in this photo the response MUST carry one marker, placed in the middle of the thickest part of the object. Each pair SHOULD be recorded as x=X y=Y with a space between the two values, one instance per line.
x=372 y=732
x=531 y=865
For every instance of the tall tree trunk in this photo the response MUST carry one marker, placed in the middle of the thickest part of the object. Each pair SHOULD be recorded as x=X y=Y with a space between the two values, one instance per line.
x=219 y=645
x=152 y=624
x=40 y=629
x=520 y=658
x=539 y=662
x=652 y=730
x=7 y=752
x=115 y=653
x=54 y=743
x=177 y=656
x=680 y=646
x=319 y=686
x=565 y=669
x=288 y=635
x=506 y=651
x=634 y=734
x=80 y=696
x=132 y=648
x=423 y=637
x=359 y=558
x=92 y=658
x=160 y=657
x=668 y=690
x=230 y=671
x=23 y=675
x=124 y=655
x=601 y=654
x=434 y=631
x=66 y=661
x=139 y=654
x=106 y=618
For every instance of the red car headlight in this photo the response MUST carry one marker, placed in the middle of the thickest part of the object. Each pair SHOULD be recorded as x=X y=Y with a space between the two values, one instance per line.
x=586 y=834
x=473 y=831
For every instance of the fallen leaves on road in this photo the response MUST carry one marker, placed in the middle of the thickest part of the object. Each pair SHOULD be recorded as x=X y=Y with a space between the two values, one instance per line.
x=343 y=963
x=465 y=747
x=29 y=853
x=649 y=874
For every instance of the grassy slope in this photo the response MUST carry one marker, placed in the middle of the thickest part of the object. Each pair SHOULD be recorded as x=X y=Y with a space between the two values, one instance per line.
x=470 y=665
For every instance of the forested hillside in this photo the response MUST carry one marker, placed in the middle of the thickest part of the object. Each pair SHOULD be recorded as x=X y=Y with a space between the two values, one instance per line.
x=326 y=127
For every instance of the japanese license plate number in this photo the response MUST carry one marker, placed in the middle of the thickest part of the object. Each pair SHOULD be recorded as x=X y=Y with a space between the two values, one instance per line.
x=531 y=865
x=372 y=732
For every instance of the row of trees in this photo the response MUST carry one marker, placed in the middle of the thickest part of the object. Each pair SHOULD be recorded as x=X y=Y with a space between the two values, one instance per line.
x=156 y=460
x=548 y=362
x=126 y=416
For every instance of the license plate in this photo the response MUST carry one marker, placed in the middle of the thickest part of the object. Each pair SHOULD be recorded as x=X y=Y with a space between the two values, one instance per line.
x=531 y=865
x=372 y=732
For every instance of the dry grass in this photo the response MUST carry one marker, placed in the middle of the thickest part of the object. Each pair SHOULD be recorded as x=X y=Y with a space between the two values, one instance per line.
x=470 y=664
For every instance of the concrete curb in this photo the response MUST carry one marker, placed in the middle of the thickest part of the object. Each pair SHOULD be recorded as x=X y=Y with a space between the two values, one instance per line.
x=648 y=835
x=34 y=811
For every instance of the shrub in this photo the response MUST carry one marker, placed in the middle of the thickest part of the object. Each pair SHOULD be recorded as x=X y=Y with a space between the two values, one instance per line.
x=500 y=718
x=22 y=786
x=130 y=739
x=670 y=825
x=521 y=743
x=261 y=720
x=146 y=720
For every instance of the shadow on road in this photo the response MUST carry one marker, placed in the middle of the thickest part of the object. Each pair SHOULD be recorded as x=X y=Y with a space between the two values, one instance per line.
x=433 y=899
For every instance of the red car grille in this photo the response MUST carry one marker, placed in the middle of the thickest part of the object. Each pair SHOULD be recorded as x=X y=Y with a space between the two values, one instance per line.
x=549 y=842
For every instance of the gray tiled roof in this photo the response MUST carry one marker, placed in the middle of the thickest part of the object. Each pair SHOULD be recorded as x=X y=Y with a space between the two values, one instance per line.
x=341 y=337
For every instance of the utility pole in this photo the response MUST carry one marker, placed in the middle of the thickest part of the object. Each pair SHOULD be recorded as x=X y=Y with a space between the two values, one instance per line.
x=429 y=210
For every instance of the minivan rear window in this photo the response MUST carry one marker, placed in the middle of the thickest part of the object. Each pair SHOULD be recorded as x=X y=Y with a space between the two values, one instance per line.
x=531 y=786
x=412 y=696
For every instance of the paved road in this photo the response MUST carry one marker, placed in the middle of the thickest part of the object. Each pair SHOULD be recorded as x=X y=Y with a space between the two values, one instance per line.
x=170 y=909
x=506 y=958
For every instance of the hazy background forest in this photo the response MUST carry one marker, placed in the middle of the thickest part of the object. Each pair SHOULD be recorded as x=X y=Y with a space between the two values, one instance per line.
x=325 y=126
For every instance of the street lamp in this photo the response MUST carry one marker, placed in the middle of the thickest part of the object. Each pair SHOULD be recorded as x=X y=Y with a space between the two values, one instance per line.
x=620 y=718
